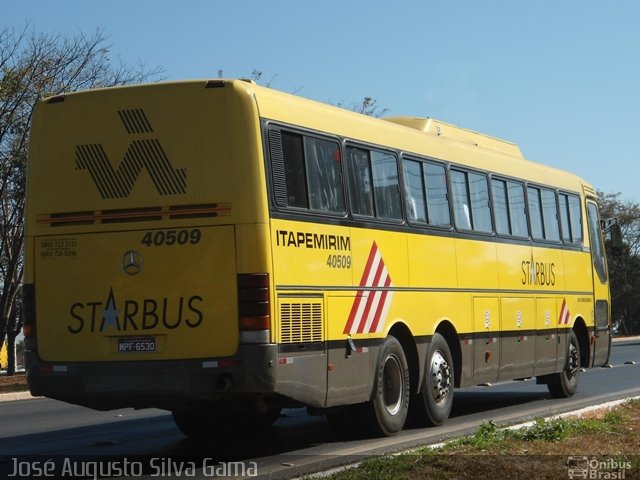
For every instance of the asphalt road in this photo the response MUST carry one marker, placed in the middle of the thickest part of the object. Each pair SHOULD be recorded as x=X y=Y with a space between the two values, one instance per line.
x=40 y=429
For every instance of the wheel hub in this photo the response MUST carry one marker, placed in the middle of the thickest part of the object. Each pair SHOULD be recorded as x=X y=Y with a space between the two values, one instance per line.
x=574 y=361
x=440 y=378
x=393 y=384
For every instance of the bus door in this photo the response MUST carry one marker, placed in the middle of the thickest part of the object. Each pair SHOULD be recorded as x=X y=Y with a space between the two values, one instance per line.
x=601 y=333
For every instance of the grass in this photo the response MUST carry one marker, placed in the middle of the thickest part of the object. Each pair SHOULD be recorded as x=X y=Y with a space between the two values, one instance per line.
x=604 y=446
x=544 y=450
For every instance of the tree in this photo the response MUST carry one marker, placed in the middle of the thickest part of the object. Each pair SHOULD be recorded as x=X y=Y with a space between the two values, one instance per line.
x=32 y=66
x=624 y=269
x=367 y=106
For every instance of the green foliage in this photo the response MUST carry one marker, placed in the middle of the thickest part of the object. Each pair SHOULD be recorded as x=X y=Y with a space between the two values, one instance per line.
x=367 y=106
x=32 y=66
x=624 y=269
x=553 y=430
x=381 y=468
x=487 y=434
x=491 y=451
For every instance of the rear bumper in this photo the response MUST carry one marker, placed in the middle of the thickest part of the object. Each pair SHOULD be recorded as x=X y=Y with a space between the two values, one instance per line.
x=247 y=376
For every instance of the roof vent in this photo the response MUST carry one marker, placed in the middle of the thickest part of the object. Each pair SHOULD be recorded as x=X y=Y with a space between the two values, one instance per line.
x=438 y=128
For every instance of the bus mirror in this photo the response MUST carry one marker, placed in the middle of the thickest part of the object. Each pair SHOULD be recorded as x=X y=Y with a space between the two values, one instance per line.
x=616 y=239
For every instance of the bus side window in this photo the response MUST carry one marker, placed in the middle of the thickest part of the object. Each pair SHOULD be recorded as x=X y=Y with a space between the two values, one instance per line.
x=571 y=217
x=294 y=171
x=324 y=175
x=360 y=191
x=543 y=211
x=426 y=192
x=564 y=218
x=517 y=209
x=386 y=185
x=509 y=208
x=597 y=247
x=480 y=207
x=501 y=206
x=374 y=189
x=460 y=200
x=575 y=218
x=535 y=213
x=437 y=199
x=471 y=201
x=414 y=188
x=307 y=172
x=550 y=215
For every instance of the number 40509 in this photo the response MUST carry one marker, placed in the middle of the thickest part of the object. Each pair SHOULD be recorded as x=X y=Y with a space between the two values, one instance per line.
x=171 y=237
x=339 y=261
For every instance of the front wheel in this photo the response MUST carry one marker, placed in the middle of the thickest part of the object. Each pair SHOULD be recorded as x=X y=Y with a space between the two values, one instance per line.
x=565 y=383
x=431 y=407
x=387 y=412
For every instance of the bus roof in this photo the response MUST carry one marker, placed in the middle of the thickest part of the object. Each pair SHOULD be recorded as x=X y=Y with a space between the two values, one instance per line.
x=438 y=128
x=422 y=136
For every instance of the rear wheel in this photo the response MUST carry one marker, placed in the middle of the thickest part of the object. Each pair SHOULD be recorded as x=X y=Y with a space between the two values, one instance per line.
x=431 y=407
x=387 y=412
x=565 y=383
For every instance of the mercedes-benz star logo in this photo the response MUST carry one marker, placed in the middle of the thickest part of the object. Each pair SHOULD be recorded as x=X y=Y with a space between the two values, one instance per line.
x=131 y=262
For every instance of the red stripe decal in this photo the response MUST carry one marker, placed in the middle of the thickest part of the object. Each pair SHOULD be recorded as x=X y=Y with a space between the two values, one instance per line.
x=372 y=296
x=369 y=316
x=381 y=305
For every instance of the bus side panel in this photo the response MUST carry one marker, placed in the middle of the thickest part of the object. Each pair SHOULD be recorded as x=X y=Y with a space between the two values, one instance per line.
x=349 y=364
x=518 y=338
x=486 y=315
x=432 y=262
x=310 y=261
x=547 y=337
x=581 y=305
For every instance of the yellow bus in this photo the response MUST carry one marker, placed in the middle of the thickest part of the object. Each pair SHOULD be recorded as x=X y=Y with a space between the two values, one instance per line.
x=4 y=358
x=223 y=250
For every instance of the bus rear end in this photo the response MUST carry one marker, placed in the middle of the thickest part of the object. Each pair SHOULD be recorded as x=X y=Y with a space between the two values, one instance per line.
x=134 y=294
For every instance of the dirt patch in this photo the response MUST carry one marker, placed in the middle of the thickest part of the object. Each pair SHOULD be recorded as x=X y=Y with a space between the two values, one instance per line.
x=15 y=383
x=599 y=445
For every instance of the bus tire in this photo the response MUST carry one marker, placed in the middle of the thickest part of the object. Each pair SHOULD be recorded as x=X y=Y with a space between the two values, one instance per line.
x=565 y=383
x=432 y=405
x=387 y=412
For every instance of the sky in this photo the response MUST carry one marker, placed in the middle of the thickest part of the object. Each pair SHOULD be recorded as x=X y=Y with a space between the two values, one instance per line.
x=560 y=78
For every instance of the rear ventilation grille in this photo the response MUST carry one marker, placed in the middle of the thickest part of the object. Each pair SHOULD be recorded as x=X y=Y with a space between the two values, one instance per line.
x=126 y=215
x=277 y=167
x=301 y=322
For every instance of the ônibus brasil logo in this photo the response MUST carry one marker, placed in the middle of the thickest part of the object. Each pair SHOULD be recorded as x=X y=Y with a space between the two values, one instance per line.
x=145 y=153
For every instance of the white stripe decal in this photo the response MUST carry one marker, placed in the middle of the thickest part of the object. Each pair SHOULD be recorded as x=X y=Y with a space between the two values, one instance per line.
x=370 y=308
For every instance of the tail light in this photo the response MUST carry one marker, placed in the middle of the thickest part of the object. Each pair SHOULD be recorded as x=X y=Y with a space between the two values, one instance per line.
x=29 y=315
x=254 y=307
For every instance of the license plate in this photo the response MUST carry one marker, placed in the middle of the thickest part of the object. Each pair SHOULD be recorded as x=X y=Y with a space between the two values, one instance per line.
x=137 y=345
